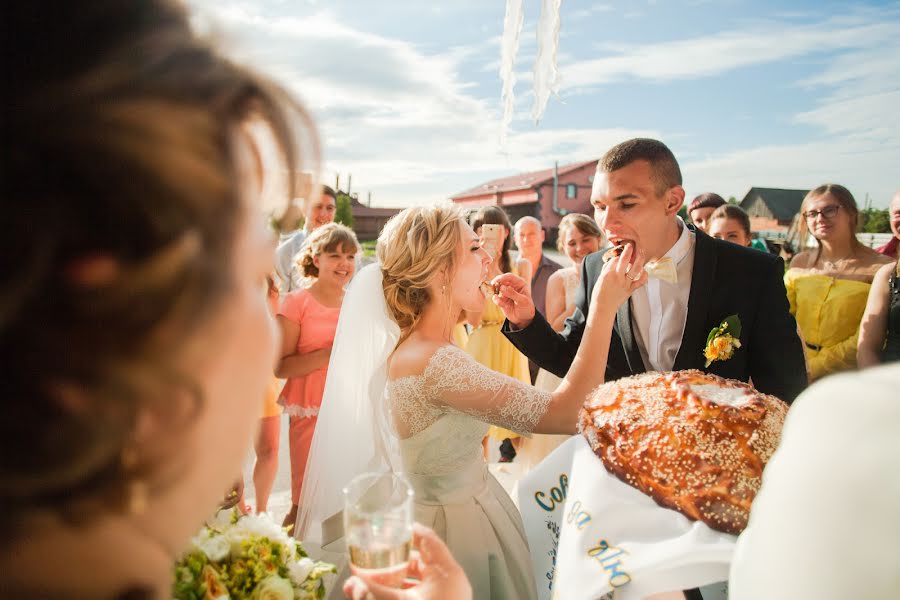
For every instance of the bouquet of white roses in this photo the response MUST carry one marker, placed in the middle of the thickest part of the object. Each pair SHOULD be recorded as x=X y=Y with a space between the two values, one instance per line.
x=247 y=556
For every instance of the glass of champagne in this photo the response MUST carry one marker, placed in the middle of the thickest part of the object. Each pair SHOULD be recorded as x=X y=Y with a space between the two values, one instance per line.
x=378 y=527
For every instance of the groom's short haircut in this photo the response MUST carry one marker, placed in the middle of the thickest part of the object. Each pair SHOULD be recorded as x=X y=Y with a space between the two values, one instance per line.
x=666 y=172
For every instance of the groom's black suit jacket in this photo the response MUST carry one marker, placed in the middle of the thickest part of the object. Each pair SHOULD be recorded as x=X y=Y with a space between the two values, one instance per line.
x=727 y=279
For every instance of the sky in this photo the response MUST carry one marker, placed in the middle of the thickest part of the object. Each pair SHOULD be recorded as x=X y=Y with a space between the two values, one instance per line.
x=406 y=94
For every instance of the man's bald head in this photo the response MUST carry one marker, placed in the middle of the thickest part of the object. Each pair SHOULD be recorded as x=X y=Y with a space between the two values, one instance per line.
x=528 y=222
x=894 y=214
x=529 y=237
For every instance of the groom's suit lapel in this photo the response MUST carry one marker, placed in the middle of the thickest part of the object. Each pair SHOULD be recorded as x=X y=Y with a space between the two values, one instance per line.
x=626 y=334
x=702 y=280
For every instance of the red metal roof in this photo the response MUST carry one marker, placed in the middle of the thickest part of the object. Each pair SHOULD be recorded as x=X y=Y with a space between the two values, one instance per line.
x=521 y=181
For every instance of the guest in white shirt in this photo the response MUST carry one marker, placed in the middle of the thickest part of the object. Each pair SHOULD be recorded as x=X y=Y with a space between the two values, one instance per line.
x=320 y=211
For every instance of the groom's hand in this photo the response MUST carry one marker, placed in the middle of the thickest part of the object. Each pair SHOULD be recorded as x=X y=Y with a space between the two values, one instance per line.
x=514 y=299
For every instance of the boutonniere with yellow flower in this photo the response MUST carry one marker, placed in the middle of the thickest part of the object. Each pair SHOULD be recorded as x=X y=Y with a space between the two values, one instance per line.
x=723 y=340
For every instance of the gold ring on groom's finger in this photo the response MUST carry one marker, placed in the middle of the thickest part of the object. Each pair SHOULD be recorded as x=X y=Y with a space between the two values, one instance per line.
x=630 y=278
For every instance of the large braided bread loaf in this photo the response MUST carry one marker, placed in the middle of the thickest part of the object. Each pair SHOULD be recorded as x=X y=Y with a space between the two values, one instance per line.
x=693 y=442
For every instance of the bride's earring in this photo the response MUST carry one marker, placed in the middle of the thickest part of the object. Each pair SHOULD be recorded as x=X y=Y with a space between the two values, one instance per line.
x=450 y=322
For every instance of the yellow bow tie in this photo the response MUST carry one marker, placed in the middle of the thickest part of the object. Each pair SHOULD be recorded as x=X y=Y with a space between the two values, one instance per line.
x=662 y=269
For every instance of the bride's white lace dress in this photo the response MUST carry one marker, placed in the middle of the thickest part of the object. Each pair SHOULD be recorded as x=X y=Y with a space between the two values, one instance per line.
x=441 y=417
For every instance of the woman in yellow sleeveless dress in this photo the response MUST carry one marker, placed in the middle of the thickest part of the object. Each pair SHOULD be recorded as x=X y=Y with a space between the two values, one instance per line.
x=460 y=333
x=486 y=343
x=828 y=286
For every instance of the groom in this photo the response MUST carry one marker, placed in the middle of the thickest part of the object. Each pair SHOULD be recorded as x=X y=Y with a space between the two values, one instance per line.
x=697 y=283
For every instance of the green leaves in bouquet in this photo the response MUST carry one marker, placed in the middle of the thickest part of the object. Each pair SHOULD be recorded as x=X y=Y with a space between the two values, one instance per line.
x=314 y=585
x=243 y=556
x=188 y=583
x=259 y=557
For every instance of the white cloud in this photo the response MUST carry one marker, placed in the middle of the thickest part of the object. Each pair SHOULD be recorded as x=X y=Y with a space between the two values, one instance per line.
x=864 y=169
x=406 y=121
x=589 y=11
x=715 y=54
x=402 y=121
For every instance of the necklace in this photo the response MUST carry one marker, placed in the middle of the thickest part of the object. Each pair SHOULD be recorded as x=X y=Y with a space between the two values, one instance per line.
x=834 y=264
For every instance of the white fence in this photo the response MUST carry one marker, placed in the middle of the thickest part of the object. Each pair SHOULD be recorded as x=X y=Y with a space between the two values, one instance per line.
x=872 y=240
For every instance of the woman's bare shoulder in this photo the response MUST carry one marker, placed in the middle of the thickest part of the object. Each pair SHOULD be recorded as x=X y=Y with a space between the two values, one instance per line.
x=803 y=259
x=556 y=277
x=413 y=356
x=877 y=259
x=885 y=271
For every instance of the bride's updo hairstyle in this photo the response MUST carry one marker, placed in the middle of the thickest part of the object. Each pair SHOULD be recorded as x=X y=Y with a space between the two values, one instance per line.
x=414 y=247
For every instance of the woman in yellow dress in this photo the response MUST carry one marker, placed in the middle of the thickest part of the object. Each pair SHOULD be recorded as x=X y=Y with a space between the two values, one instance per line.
x=486 y=343
x=828 y=286
x=460 y=333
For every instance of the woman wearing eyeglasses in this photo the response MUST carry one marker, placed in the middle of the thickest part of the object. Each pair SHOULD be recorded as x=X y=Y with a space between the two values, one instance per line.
x=828 y=285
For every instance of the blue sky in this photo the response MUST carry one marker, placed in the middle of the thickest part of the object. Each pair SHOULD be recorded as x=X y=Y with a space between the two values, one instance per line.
x=745 y=92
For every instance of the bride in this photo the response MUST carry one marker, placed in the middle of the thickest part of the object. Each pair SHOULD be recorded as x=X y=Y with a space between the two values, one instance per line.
x=400 y=395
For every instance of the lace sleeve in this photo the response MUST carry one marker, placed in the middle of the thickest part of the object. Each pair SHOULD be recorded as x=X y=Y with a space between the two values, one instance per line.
x=456 y=380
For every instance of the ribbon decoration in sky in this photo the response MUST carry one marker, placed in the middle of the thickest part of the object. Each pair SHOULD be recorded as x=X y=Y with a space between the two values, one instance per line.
x=546 y=74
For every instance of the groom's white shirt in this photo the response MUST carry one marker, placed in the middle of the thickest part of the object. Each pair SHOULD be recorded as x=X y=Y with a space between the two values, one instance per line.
x=659 y=309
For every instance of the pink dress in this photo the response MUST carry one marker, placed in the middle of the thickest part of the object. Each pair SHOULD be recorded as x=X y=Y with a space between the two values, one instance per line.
x=302 y=396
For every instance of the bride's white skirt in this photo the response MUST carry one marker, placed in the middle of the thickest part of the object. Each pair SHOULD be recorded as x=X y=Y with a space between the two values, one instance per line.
x=473 y=514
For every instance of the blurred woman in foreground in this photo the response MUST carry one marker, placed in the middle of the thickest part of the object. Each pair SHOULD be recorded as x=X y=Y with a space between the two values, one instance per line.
x=136 y=343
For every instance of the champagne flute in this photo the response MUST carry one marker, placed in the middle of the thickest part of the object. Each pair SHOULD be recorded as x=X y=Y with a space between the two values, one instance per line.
x=378 y=527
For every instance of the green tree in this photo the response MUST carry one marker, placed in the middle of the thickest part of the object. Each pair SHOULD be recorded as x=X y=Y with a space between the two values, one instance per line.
x=875 y=220
x=732 y=200
x=344 y=210
x=682 y=212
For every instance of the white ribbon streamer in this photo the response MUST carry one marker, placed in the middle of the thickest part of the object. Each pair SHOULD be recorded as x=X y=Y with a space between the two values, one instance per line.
x=546 y=74
x=509 y=48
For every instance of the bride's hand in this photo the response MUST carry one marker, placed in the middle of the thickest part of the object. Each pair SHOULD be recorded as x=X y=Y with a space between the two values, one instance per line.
x=621 y=275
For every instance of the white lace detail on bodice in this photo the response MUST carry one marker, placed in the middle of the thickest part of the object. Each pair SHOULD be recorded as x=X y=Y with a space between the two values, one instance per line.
x=442 y=414
x=412 y=413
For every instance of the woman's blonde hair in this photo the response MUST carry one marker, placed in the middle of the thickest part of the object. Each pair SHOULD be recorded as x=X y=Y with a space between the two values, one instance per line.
x=326 y=238
x=414 y=247
x=583 y=223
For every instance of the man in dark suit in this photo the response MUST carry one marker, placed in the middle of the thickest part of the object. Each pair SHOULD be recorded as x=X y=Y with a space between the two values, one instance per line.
x=695 y=283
